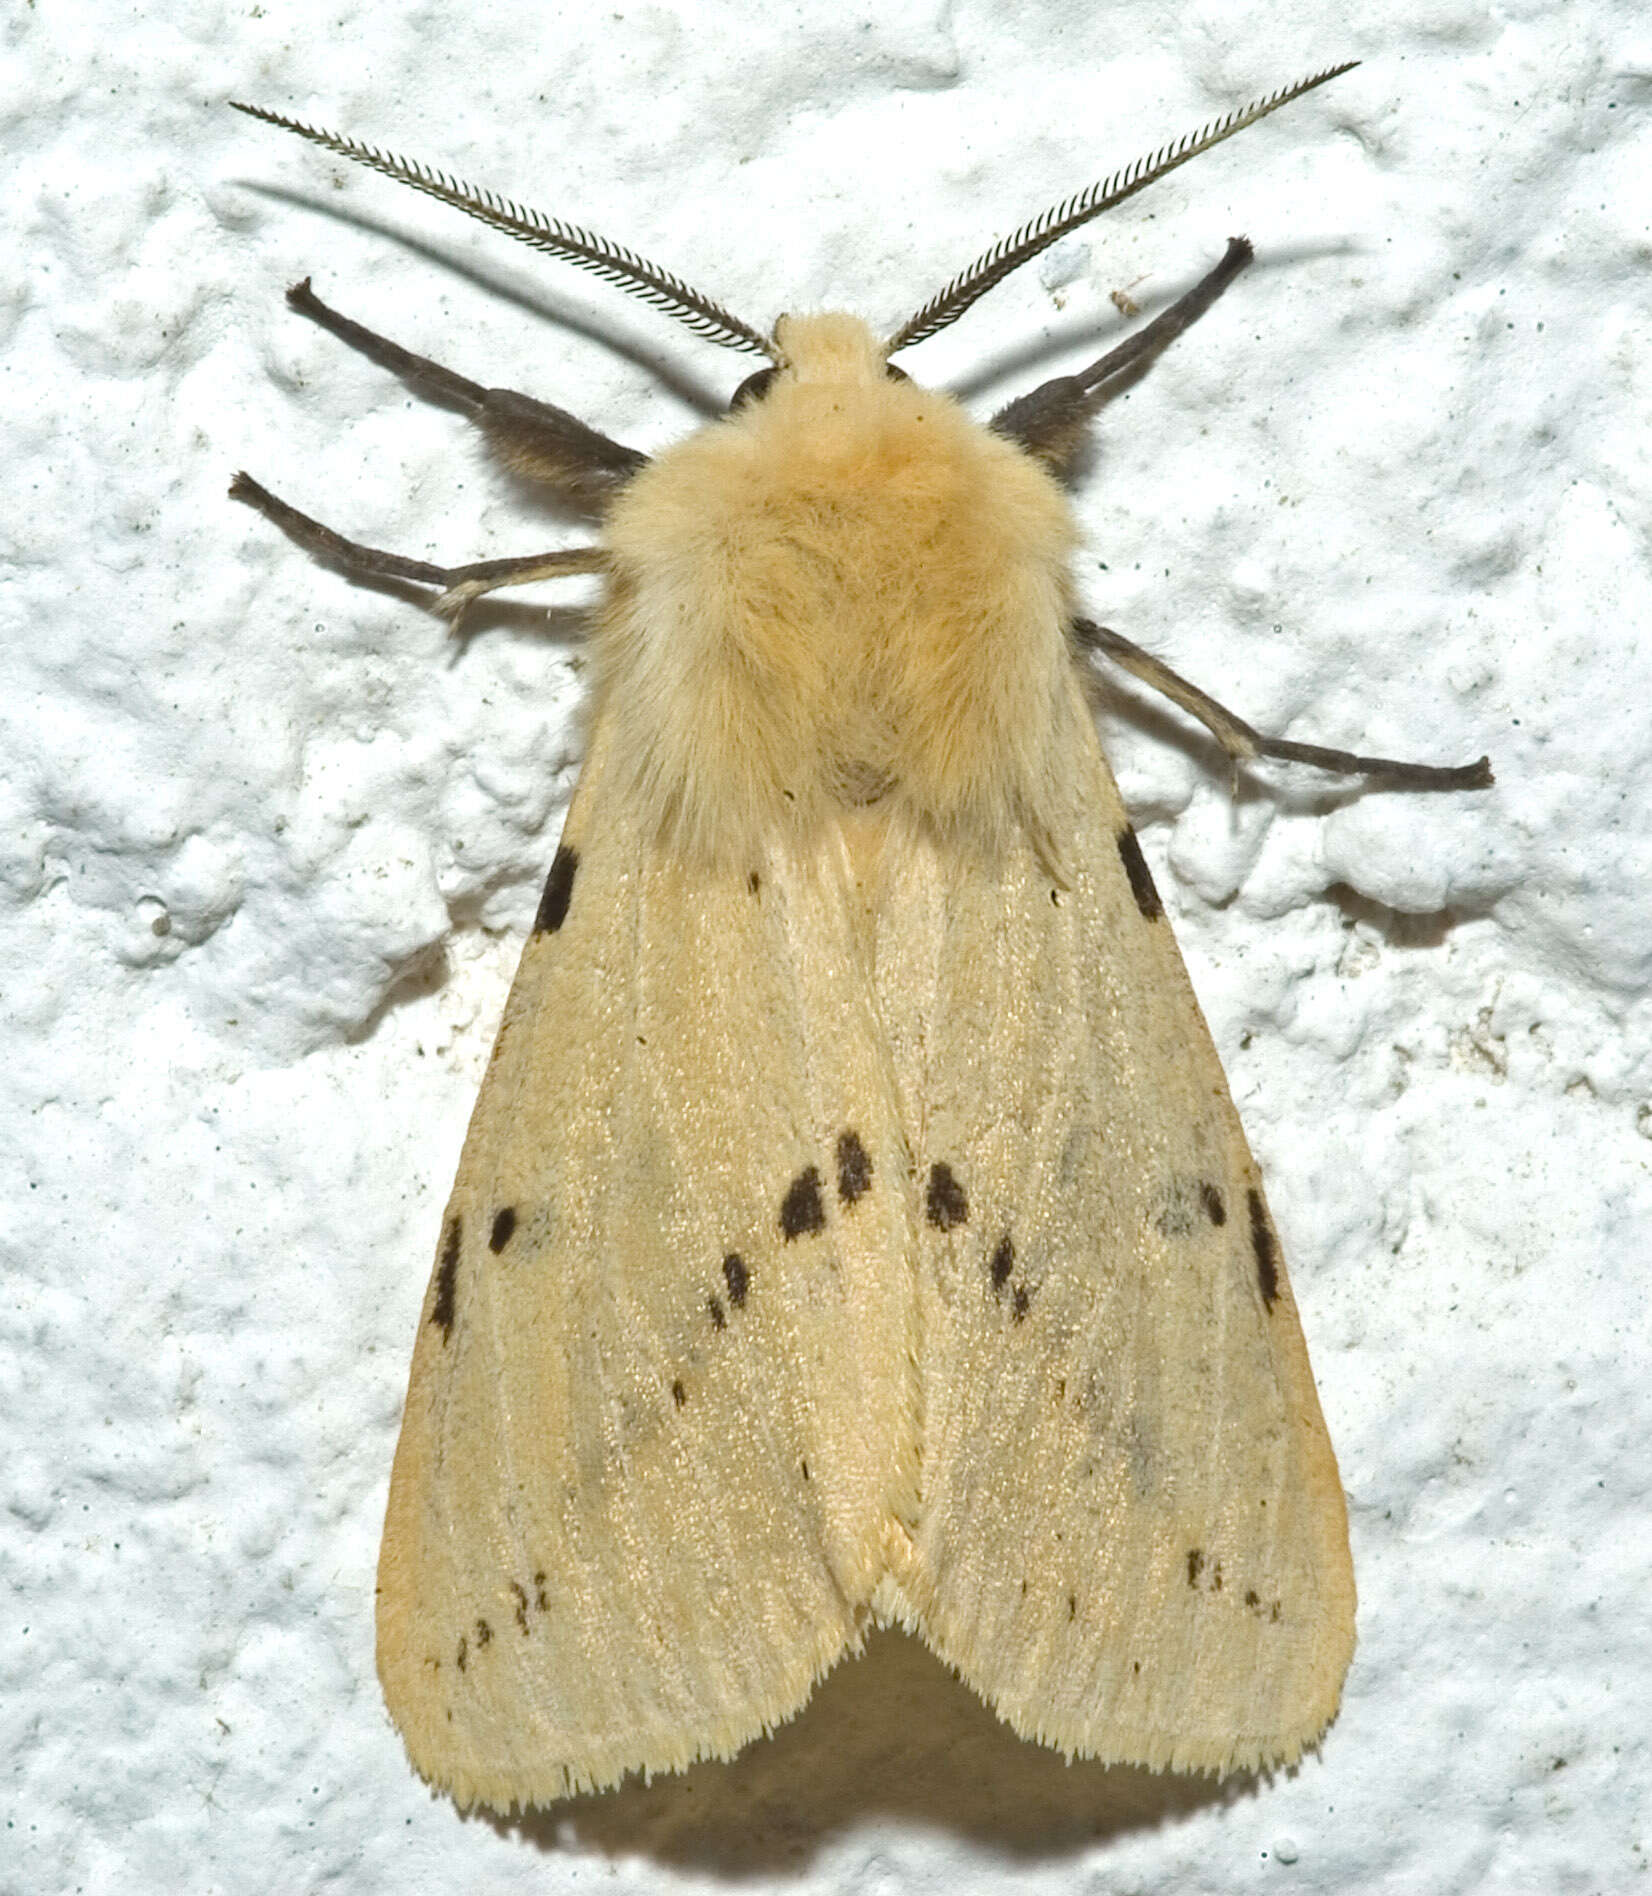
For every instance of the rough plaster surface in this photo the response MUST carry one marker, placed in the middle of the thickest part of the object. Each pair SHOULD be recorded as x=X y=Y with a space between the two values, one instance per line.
x=269 y=842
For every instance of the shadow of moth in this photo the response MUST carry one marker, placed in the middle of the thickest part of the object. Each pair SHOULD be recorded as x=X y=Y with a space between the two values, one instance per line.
x=854 y=1226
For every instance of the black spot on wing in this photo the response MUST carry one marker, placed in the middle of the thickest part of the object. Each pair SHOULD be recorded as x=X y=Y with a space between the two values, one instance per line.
x=737 y=1277
x=504 y=1223
x=946 y=1203
x=754 y=882
x=1211 y=1198
x=1003 y=1262
x=463 y=1652
x=1141 y=879
x=801 y=1212
x=715 y=1309
x=1266 y=1247
x=447 y=1275
x=484 y=1633
x=679 y=1394
x=1195 y=1565
x=520 y=1611
x=1020 y=1303
x=854 y=1167
x=559 y=890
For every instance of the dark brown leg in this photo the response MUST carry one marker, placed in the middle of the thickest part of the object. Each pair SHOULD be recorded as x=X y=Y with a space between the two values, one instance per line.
x=537 y=440
x=1245 y=745
x=460 y=584
x=1048 y=421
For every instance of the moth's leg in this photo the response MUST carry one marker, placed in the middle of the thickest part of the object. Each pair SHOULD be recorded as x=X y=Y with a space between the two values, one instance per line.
x=1245 y=745
x=536 y=440
x=460 y=584
x=1049 y=421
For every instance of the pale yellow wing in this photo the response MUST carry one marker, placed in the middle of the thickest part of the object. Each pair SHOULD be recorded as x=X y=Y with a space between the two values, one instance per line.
x=661 y=1415
x=1132 y=1538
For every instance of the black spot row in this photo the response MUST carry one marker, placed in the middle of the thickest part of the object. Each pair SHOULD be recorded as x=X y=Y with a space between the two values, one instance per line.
x=1266 y=1247
x=559 y=891
x=802 y=1215
x=504 y=1224
x=447 y=1274
x=1141 y=877
x=1196 y=1565
x=484 y=1636
x=999 y=1268
x=946 y=1208
x=519 y=1612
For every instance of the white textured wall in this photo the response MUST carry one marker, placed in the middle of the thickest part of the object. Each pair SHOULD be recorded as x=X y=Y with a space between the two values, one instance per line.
x=268 y=844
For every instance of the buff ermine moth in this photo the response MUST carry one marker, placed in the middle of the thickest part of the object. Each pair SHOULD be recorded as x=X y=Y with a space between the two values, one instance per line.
x=854 y=1225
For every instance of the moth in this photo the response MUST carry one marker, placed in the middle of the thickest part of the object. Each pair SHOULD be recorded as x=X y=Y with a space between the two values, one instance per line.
x=854 y=1226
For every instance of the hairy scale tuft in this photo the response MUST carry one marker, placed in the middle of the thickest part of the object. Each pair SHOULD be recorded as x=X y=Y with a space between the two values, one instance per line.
x=845 y=593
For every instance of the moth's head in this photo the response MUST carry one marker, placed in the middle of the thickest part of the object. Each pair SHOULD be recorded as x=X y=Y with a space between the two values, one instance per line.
x=825 y=349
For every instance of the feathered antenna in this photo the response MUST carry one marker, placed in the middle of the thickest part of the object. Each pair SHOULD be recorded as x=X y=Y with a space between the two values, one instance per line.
x=570 y=242
x=1053 y=224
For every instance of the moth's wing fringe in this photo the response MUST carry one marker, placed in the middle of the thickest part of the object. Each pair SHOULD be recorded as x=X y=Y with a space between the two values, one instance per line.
x=540 y=1785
